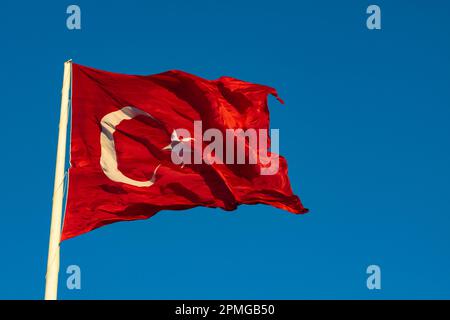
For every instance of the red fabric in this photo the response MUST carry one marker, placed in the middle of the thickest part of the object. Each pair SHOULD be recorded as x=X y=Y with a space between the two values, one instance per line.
x=175 y=99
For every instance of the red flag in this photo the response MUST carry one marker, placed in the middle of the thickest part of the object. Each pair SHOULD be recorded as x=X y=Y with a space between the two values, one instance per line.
x=126 y=129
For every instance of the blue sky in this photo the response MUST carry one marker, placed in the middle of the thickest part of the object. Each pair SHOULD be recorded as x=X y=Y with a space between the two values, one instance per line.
x=364 y=129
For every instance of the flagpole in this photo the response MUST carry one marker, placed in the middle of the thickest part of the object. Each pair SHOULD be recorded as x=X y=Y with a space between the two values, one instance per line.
x=51 y=278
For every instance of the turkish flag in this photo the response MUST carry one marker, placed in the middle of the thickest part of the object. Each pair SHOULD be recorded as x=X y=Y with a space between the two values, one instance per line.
x=125 y=129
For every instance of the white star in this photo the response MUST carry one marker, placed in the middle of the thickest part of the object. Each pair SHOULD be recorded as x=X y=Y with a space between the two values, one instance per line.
x=175 y=140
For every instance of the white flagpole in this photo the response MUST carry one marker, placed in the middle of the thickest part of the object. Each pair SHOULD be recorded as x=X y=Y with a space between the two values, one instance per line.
x=51 y=278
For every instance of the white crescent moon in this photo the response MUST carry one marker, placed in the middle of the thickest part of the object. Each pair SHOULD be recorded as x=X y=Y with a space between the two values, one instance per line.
x=108 y=159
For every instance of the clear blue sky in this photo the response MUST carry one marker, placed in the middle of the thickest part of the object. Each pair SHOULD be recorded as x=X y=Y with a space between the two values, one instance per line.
x=365 y=130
